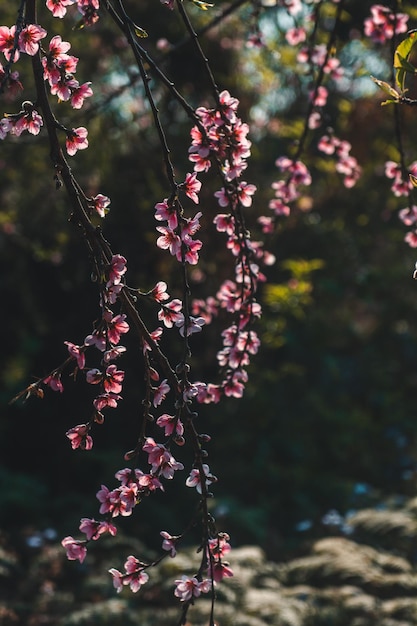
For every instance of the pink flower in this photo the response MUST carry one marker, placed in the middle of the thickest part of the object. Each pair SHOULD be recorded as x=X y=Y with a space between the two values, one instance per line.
x=97 y=339
x=135 y=575
x=58 y=7
x=7 y=42
x=159 y=393
x=192 y=186
x=189 y=250
x=101 y=204
x=116 y=270
x=168 y=240
x=76 y=550
x=79 y=94
x=194 y=325
x=29 y=38
x=187 y=588
x=161 y=459
x=168 y=212
x=30 y=121
x=113 y=380
x=54 y=382
x=320 y=96
x=171 y=313
x=409 y=215
x=94 y=376
x=411 y=239
x=195 y=479
x=294 y=36
x=115 y=327
x=77 y=353
x=93 y=530
x=245 y=193
x=219 y=571
x=106 y=400
x=113 y=353
x=170 y=423
x=191 y=226
x=159 y=292
x=76 y=140
x=117 y=579
x=79 y=437
x=380 y=26
x=169 y=543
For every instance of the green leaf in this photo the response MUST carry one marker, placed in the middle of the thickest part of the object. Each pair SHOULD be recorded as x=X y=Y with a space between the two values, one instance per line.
x=203 y=5
x=139 y=32
x=390 y=91
x=401 y=56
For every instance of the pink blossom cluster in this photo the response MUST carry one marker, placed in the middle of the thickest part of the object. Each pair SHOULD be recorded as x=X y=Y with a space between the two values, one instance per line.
x=401 y=184
x=134 y=575
x=383 y=24
x=27 y=41
x=221 y=135
x=217 y=549
x=177 y=235
x=134 y=485
x=188 y=587
x=318 y=57
x=28 y=119
x=59 y=69
x=346 y=164
x=87 y=8
x=288 y=190
x=106 y=338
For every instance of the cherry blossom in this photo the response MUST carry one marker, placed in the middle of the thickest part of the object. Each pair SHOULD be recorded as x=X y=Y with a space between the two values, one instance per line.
x=135 y=575
x=171 y=424
x=113 y=379
x=77 y=352
x=93 y=529
x=58 y=8
x=192 y=186
x=54 y=382
x=116 y=270
x=76 y=550
x=195 y=479
x=76 y=140
x=188 y=588
x=159 y=393
x=168 y=240
x=167 y=211
x=7 y=43
x=29 y=38
x=169 y=543
x=79 y=437
x=171 y=313
x=159 y=292
x=380 y=25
